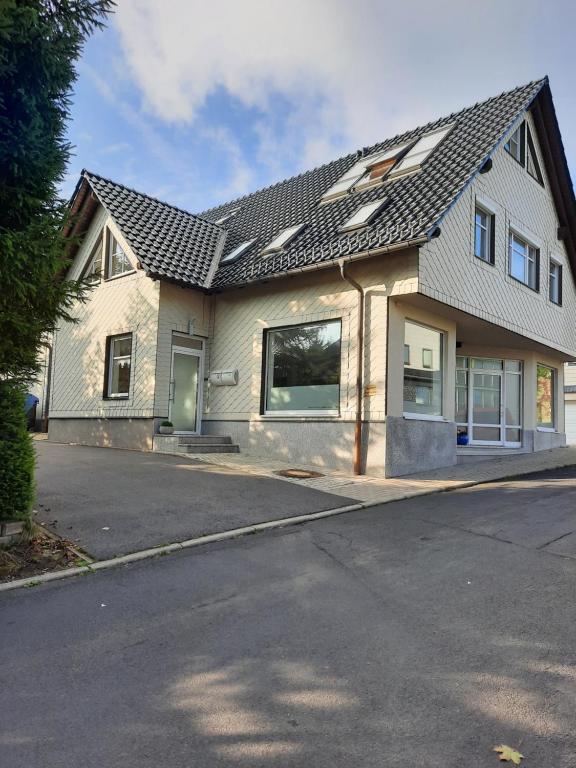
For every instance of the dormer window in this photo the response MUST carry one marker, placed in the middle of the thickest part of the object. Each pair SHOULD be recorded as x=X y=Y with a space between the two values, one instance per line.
x=364 y=215
x=238 y=251
x=118 y=263
x=281 y=240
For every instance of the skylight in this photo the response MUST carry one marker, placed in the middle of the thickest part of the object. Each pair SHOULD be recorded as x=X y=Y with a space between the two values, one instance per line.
x=367 y=171
x=363 y=215
x=415 y=158
x=238 y=251
x=283 y=238
x=227 y=216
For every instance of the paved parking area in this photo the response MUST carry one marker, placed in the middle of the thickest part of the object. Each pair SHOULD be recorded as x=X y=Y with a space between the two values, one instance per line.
x=112 y=502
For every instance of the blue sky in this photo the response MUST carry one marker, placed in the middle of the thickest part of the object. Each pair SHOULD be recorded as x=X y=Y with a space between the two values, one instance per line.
x=197 y=103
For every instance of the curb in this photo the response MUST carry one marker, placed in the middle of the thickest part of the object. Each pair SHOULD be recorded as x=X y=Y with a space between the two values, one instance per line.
x=234 y=533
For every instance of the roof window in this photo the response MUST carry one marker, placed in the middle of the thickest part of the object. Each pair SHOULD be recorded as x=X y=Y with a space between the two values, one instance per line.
x=415 y=157
x=283 y=238
x=227 y=216
x=364 y=215
x=238 y=251
x=365 y=172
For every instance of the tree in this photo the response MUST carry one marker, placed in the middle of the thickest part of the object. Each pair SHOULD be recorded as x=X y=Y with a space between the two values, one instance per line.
x=40 y=42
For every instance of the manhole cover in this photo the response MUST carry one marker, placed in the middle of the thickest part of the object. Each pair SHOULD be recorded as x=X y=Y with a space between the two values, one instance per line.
x=298 y=474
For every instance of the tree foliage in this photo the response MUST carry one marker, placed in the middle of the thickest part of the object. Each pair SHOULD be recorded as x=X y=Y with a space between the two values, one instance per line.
x=40 y=41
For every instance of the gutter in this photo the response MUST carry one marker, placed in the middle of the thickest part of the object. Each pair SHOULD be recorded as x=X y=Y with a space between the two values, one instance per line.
x=359 y=366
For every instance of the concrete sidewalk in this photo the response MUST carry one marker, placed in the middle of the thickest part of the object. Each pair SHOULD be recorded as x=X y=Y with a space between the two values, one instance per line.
x=379 y=490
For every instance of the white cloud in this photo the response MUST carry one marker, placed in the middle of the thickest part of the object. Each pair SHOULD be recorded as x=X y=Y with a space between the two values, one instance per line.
x=351 y=71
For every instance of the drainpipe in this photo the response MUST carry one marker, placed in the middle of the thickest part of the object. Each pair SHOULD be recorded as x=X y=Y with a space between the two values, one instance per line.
x=359 y=367
x=47 y=387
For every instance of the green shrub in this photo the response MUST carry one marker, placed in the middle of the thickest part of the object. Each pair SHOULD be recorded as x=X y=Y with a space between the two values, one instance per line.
x=16 y=456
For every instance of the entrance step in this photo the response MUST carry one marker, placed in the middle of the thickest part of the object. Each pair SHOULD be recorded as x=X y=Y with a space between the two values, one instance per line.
x=211 y=447
x=472 y=453
x=203 y=439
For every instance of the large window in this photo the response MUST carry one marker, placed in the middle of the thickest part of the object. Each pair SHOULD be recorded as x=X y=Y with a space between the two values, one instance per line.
x=484 y=235
x=118 y=262
x=555 y=283
x=423 y=381
x=118 y=365
x=303 y=369
x=523 y=261
x=545 y=397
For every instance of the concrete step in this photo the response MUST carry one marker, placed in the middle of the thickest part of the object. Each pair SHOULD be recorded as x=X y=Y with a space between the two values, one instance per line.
x=203 y=439
x=209 y=448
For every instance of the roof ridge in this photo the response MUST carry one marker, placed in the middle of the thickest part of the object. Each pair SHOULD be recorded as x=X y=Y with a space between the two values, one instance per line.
x=542 y=81
x=85 y=173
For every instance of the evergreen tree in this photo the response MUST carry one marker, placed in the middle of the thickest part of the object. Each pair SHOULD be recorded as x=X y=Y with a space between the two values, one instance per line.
x=40 y=42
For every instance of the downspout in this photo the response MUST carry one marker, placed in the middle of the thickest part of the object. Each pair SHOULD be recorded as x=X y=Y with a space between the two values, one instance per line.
x=359 y=367
x=47 y=387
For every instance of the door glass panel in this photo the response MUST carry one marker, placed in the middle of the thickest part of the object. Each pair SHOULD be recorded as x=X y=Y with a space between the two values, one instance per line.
x=490 y=434
x=513 y=436
x=487 y=364
x=486 y=399
x=513 y=399
x=185 y=392
x=461 y=397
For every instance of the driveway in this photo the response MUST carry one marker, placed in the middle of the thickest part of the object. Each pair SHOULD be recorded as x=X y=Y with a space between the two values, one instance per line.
x=112 y=502
x=421 y=633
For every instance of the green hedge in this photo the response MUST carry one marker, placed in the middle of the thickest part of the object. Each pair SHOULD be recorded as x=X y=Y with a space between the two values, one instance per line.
x=16 y=456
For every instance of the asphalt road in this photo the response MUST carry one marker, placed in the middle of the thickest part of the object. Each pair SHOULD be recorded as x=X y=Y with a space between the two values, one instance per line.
x=420 y=634
x=111 y=502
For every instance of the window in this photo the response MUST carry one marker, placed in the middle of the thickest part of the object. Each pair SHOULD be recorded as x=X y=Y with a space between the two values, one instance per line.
x=515 y=145
x=524 y=262
x=363 y=215
x=227 y=216
x=424 y=147
x=545 y=397
x=367 y=171
x=532 y=164
x=423 y=386
x=93 y=266
x=118 y=366
x=426 y=358
x=118 y=263
x=406 y=354
x=285 y=237
x=303 y=369
x=555 y=283
x=238 y=251
x=484 y=235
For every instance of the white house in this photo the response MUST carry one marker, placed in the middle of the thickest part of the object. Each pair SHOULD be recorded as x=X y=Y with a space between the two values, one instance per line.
x=402 y=308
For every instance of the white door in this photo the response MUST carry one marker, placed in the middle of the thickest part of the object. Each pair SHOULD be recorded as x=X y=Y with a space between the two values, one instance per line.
x=186 y=390
x=571 y=421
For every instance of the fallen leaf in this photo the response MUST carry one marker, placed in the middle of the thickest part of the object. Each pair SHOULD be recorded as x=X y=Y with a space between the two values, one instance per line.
x=507 y=753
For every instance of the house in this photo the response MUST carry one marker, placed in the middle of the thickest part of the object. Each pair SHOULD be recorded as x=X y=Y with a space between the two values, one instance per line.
x=570 y=402
x=406 y=307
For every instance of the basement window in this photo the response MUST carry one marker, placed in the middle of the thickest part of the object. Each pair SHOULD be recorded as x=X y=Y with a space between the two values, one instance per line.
x=238 y=251
x=283 y=238
x=364 y=215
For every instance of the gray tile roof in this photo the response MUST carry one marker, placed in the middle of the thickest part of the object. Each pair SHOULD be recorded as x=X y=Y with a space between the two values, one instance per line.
x=179 y=246
x=169 y=242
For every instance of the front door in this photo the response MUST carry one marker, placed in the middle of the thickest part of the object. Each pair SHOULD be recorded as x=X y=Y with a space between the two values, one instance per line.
x=185 y=389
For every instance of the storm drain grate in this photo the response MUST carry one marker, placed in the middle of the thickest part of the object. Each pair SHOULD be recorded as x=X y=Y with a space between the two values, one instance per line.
x=298 y=474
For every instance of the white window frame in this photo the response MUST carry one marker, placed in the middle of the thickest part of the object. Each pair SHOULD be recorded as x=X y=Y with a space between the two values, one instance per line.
x=428 y=416
x=557 y=282
x=283 y=238
x=531 y=249
x=415 y=158
x=517 y=138
x=489 y=258
x=268 y=364
x=111 y=359
x=371 y=210
x=110 y=240
x=553 y=428
x=238 y=251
